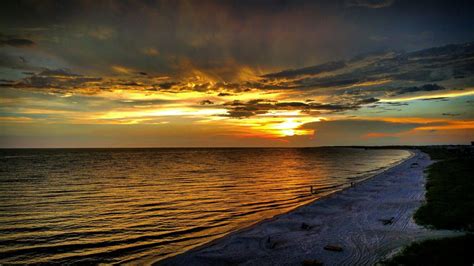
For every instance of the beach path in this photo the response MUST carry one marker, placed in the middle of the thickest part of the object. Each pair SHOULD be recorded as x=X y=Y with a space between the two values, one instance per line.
x=368 y=221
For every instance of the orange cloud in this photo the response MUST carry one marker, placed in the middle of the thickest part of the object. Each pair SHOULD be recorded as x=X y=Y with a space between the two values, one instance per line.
x=415 y=120
x=439 y=125
x=380 y=135
x=451 y=125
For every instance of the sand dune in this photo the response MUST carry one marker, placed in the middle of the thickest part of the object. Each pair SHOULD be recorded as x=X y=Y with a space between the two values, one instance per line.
x=369 y=221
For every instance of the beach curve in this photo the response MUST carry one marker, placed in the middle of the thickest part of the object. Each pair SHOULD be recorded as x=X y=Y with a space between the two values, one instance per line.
x=369 y=221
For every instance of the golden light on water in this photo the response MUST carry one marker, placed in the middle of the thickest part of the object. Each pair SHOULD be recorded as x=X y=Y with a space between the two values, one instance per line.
x=132 y=205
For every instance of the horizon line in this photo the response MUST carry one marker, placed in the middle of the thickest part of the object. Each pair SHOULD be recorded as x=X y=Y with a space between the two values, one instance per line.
x=235 y=147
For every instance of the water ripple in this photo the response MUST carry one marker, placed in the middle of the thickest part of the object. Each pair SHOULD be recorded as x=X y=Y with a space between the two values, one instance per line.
x=132 y=205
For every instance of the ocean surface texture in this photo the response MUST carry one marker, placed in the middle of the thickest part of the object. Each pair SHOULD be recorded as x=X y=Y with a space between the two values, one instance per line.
x=143 y=205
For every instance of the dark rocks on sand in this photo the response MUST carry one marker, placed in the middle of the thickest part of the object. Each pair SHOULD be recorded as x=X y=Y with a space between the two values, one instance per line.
x=312 y=263
x=305 y=226
x=333 y=248
x=387 y=221
x=271 y=244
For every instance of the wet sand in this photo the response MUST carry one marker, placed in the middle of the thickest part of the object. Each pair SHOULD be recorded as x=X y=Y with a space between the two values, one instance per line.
x=369 y=221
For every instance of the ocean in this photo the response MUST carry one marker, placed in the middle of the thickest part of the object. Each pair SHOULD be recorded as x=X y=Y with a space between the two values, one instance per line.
x=133 y=206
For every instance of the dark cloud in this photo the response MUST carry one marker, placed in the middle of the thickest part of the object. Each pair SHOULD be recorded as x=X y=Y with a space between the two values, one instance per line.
x=424 y=88
x=416 y=75
x=16 y=42
x=429 y=65
x=240 y=109
x=237 y=113
x=313 y=70
x=368 y=101
x=445 y=53
x=395 y=103
x=12 y=61
x=206 y=102
x=450 y=114
x=369 y=3
x=220 y=37
x=167 y=85
x=292 y=105
x=58 y=73
x=128 y=83
x=436 y=99
x=55 y=79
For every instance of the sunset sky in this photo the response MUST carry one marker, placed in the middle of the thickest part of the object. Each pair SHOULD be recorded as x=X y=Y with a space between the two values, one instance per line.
x=236 y=73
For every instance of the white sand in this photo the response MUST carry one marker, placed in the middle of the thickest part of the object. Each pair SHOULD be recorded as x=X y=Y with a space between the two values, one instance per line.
x=349 y=219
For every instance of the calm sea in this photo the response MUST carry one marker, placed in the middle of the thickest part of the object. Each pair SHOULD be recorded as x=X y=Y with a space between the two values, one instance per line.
x=143 y=205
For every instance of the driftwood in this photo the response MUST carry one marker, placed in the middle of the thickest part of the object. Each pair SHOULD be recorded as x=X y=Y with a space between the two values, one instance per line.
x=333 y=248
x=312 y=263
x=387 y=221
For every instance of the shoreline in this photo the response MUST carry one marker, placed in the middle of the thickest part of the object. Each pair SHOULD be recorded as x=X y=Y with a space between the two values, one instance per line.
x=313 y=201
x=287 y=238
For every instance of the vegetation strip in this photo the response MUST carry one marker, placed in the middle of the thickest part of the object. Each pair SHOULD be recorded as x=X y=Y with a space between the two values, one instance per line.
x=449 y=205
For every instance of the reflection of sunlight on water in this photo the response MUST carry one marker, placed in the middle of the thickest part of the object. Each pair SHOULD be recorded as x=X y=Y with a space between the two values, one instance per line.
x=122 y=205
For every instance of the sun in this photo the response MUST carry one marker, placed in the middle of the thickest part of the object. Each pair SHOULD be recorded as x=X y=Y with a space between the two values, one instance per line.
x=288 y=132
x=287 y=128
x=278 y=127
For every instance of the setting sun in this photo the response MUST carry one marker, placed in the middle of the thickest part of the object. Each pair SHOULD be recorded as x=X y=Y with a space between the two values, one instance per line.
x=288 y=127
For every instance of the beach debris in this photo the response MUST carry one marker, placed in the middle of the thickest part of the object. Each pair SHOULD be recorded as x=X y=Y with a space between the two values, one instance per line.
x=305 y=226
x=387 y=221
x=312 y=263
x=333 y=248
x=271 y=244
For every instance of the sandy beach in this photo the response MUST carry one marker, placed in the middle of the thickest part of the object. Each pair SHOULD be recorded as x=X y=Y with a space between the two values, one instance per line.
x=369 y=221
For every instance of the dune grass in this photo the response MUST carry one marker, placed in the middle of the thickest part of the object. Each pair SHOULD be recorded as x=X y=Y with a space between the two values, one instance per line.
x=449 y=196
x=446 y=251
x=449 y=205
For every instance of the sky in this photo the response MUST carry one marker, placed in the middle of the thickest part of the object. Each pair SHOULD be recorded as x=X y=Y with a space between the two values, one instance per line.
x=236 y=73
